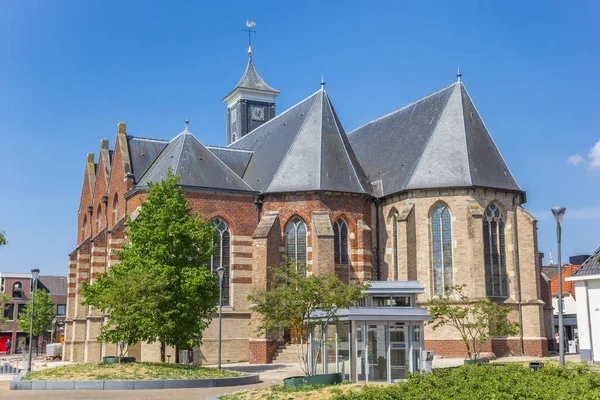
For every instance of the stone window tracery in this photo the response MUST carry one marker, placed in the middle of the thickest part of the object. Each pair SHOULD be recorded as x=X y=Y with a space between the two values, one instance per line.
x=295 y=244
x=496 y=283
x=221 y=255
x=441 y=235
x=340 y=241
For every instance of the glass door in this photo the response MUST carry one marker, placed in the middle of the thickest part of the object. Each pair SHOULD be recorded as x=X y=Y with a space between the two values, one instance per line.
x=398 y=351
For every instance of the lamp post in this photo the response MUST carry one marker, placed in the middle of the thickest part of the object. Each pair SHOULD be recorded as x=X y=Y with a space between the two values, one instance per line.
x=559 y=213
x=34 y=275
x=220 y=273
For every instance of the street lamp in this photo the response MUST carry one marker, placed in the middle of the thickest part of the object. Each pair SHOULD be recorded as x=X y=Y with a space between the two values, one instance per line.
x=34 y=275
x=220 y=273
x=559 y=213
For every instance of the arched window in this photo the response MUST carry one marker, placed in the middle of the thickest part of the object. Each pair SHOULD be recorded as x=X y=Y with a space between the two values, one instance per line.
x=220 y=258
x=115 y=210
x=441 y=235
x=17 y=291
x=99 y=218
x=340 y=242
x=496 y=283
x=84 y=228
x=295 y=244
x=395 y=243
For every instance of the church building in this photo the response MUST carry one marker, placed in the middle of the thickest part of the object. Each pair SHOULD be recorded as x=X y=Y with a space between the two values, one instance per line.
x=420 y=194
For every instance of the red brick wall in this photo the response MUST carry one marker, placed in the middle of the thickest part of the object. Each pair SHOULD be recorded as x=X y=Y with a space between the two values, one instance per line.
x=501 y=347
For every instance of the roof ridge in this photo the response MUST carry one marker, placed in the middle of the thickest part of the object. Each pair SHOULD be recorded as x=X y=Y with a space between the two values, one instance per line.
x=335 y=122
x=212 y=146
x=412 y=176
x=273 y=119
x=147 y=138
x=490 y=135
x=402 y=108
x=156 y=162
x=287 y=153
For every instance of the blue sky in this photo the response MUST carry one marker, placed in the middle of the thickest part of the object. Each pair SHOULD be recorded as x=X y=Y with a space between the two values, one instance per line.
x=71 y=70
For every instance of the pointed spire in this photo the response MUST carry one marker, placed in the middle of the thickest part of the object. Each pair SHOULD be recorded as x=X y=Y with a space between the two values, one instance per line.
x=459 y=75
x=322 y=83
x=187 y=125
x=551 y=261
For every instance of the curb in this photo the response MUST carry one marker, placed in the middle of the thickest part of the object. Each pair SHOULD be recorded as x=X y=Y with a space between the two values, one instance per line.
x=18 y=384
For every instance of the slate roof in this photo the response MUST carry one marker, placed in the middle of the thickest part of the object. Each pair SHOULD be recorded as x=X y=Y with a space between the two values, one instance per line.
x=549 y=271
x=436 y=142
x=252 y=80
x=142 y=152
x=198 y=166
x=591 y=266
x=237 y=160
x=303 y=149
x=53 y=284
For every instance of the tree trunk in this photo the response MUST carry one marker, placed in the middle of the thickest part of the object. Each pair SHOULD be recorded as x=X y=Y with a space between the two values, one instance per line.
x=176 y=354
x=163 y=355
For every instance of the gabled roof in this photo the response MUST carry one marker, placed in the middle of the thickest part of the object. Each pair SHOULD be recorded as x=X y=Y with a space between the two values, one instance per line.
x=591 y=266
x=567 y=286
x=53 y=284
x=142 y=152
x=303 y=149
x=252 y=80
x=197 y=166
x=439 y=141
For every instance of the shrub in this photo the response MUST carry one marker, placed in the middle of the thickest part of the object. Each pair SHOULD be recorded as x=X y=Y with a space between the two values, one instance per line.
x=488 y=382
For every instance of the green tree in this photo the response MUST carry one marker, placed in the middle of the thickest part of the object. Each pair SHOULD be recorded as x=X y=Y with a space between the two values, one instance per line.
x=161 y=290
x=4 y=304
x=2 y=238
x=291 y=303
x=42 y=316
x=475 y=320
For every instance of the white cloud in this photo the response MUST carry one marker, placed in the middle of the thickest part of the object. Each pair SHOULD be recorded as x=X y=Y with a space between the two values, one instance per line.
x=575 y=159
x=594 y=156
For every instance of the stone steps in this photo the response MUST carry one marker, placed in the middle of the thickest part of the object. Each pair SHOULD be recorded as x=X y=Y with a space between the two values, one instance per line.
x=287 y=354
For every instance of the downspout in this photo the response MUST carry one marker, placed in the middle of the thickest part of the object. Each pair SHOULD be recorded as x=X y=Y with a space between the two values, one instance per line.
x=377 y=262
x=518 y=271
x=589 y=317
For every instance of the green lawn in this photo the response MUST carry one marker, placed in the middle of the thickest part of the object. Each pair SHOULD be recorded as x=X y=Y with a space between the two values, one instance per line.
x=508 y=382
x=128 y=371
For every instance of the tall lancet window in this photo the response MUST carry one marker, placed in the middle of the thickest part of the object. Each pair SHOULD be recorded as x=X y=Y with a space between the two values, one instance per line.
x=395 y=244
x=496 y=283
x=99 y=219
x=295 y=244
x=115 y=209
x=220 y=258
x=340 y=242
x=441 y=235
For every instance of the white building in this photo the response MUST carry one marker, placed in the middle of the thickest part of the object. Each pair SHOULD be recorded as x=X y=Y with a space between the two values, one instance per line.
x=587 y=292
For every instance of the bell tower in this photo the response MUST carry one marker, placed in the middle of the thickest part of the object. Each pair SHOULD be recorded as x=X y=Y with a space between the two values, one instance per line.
x=250 y=104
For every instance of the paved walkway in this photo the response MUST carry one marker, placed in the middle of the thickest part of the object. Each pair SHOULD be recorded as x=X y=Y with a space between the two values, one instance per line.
x=270 y=374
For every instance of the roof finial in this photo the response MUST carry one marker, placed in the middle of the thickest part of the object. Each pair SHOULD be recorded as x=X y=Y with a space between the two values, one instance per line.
x=459 y=75
x=187 y=123
x=322 y=83
x=249 y=24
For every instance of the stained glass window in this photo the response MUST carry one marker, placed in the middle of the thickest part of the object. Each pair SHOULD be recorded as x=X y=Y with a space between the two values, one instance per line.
x=340 y=242
x=441 y=232
x=295 y=244
x=220 y=257
x=496 y=283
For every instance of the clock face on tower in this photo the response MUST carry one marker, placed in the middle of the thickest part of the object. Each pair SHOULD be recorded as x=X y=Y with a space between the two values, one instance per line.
x=258 y=113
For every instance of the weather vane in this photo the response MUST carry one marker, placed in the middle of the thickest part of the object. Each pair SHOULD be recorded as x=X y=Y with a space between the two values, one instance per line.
x=250 y=25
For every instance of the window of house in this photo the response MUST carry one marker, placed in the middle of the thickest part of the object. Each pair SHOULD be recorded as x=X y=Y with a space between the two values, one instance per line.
x=441 y=234
x=340 y=241
x=17 y=291
x=84 y=228
x=1 y=285
x=400 y=301
x=21 y=308
x=295 y=244
x=221 y=255
x=61 y=309
x=115 y=210
x=496 y=283
x=9 y=311
x=382 y=301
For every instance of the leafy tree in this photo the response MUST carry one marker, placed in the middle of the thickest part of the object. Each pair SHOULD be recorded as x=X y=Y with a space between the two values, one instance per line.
x=161 y=290
x=2 y=238
x=4 y=304
x=475 y=320
x=42 y=316
x=291 y=302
